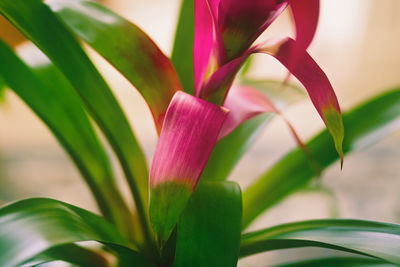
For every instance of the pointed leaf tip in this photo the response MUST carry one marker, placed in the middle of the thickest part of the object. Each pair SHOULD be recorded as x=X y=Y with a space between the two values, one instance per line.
x=188 y=135
x=315 y=81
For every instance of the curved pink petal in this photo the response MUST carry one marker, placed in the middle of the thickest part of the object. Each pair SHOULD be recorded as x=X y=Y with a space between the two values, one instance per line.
x=218 y=85
x=203 y=40
x=189 y=133
x=306 y=70
x=317 y=84
x=305 y=15
x=244 y=103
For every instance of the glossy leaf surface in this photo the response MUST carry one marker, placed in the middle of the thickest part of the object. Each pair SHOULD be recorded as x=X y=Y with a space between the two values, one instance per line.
x=375 y=239
x=45 y=90
x=208 y=232
x=182 y=53
x=32 y=226
x=339 y=262
x=126 y=47
x=36 y=21
x=365 y=125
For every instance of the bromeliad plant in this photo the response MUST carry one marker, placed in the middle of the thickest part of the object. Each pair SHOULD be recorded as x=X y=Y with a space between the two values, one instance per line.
x=185 y=212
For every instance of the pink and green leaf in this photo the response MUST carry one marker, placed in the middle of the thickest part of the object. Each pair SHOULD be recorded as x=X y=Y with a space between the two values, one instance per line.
x=241 y=22
x=245 y=103
x=189 y=133
x=126 y=47
x=317 y=84
x=217 y=86
x=306 y=70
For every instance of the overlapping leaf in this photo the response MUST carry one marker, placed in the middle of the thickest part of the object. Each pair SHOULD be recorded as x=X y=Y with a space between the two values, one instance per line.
x=36 y=21
x=182 y=53
x=208 y=233
x=126 y=47
x=339 y=262
x=33 y=226
x=294 y=170
x=189 y=133
x=70 y=253
x=230 y=149
x=306 y=70
x=52 y=98
x=305 y=15
x=375 y=239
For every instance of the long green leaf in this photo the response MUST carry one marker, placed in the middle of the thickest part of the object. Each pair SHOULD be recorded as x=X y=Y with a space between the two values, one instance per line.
x=36 y=21
x=365 y=125
x=126 y=47
x=51 y=97
x=209 y=229
x=32 y=226
x=70 y=253
x=182 y=53
x=232 y=148
x=375 y=239
x=339 y=262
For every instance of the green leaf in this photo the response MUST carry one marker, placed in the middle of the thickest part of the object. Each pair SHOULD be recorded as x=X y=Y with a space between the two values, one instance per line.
x=375 y=239
x=36 y=21
x=2 y=90
x=126 y=47
x=232 y=148
x=182 y=53
x=32 y=226
x=209 y=229
x=339 y=262
x=70 y=253
x=45 y=90
x=365 y=125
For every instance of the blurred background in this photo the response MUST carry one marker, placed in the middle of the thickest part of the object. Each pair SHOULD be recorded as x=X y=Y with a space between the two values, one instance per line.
x=357 y=46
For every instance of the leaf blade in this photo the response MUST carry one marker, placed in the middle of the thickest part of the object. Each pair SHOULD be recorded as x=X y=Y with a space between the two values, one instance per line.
x=36 y=21
x=182 y=53
x=339 y=262
x=375 y=239
x=50 y=96
x=187 y=138
x=126 y=47
x=230 y=149
x=361 y=131
x=45 y=223
x=210 y=224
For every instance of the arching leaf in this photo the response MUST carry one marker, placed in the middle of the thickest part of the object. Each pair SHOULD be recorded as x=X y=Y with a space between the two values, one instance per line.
x=375 y=239
x=33 y=226
x=365 y=125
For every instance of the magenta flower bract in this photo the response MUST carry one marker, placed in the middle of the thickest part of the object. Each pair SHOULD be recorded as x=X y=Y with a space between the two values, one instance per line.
x=224 y=34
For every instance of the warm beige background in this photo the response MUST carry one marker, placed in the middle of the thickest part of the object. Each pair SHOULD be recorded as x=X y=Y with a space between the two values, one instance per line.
x=357 y=46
